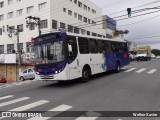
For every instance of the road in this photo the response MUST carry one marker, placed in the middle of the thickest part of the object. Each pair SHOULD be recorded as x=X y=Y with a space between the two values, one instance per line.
x=135 y=88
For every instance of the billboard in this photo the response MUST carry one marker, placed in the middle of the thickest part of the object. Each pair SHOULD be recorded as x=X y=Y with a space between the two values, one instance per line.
x=27 y=58
x=8 y=58
x=110 y=23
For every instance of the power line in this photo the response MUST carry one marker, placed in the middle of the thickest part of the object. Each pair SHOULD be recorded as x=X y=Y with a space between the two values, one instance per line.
x=122 y=19
x=138 y=21
x=123 y=10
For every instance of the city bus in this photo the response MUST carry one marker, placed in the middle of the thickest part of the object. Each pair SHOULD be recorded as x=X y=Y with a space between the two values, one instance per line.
x=62 y=56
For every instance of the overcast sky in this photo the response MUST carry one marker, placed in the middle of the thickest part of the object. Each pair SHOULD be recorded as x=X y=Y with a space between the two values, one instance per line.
x=142 y=32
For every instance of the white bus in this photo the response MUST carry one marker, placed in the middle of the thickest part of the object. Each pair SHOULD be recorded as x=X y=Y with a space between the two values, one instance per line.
x=62 y=56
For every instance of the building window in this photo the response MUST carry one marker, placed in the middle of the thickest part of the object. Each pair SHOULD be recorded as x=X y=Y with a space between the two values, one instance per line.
x=85 y=7
x=19 y=0
x=10 y=48
x=79 y=4
x=54 y=24
x=99 y=35
x=0 y=31
x=85 y=19
x=30 y=9
x=1 y=49
x=44 y=24
x=10 y=2
x=89 y=9
x=64 y=9
x=19 y=12
x=93 y=22
x=94 y=34
x=80 y=17
x=20 y=28
x=69 y=12
x=1 y=17
x=89 y=21
x=76 y=30
x=42 y=6
x=62 y=25
x=75 y=1
x=82 y=31
x=28 y=44
x=10 y=15
x=70 y=28
x=11 y=30
x=1 y=4
x=93 y=11
x=32 y=26
x=75 y=15
x=88 y=33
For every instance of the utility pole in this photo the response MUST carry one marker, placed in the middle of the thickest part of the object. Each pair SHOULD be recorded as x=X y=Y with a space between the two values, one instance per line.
x=11 y=29
x=37 y=21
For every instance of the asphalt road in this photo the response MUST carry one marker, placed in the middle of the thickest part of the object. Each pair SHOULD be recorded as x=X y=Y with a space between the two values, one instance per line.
x=135 y=88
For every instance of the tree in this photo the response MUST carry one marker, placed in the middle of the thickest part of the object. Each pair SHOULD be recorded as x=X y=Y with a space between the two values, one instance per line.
x=156 y=52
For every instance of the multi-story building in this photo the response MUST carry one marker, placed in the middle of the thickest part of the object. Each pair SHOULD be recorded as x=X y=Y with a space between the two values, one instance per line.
x=77 y=16
x=109 y=24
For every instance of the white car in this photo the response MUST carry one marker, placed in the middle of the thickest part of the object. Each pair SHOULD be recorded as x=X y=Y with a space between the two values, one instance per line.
x=27 y=74
x=132 y=57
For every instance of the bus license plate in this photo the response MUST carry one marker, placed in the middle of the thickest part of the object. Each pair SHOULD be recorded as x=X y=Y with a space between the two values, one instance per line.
x=46 y=76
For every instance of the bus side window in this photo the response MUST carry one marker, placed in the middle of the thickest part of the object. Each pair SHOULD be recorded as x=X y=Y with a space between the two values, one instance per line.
x=83 y=45
x=93 y=46
x=101 y=46
x=108 y=47
x=125 y=47
x=72 y=41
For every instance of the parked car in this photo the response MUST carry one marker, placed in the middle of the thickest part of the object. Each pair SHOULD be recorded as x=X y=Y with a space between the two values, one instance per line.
x=27 y=74
x=2 y=79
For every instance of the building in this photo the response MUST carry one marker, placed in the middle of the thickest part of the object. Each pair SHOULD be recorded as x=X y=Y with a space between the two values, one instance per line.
x=76 y=16
x=109 y=24
x=131 y=46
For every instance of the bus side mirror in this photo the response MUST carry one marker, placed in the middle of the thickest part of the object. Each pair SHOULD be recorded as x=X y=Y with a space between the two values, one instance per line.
x=70 y=48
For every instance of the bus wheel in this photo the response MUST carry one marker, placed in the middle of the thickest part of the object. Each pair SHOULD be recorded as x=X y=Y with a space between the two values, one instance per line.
x=117 y=67
x=85 y=75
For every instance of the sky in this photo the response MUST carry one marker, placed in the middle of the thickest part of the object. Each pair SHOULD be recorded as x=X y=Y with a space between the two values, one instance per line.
x=146 y=28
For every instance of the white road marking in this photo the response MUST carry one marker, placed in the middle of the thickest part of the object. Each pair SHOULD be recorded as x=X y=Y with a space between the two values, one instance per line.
x=17 y=83
x=9 y=96
x=130 y=70
x=93 y=114
x=152 y=71
x=57 y=110
x=141 y=70
x=29 y=106
x=13 y=101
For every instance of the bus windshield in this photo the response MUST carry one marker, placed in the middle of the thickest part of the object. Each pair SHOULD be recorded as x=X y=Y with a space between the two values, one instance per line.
x=141 y=52
x=49 y=53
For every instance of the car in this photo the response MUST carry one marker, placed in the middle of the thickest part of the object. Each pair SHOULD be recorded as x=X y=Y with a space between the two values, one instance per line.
x=132 y=57
x=27 y=74
x=2 y=79
x=158 y=57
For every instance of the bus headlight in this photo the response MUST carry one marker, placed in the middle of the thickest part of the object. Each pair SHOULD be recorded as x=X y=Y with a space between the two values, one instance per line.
x=37 y=73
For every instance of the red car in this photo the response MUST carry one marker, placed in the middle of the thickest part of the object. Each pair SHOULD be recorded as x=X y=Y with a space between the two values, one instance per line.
x=2 y=79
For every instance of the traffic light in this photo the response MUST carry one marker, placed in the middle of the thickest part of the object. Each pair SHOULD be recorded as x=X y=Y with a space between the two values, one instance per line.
x=129 y=12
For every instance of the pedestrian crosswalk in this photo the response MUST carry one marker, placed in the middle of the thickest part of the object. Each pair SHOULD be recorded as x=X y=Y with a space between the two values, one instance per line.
x=11 y=101
x=8 y=85
x=140 y=70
